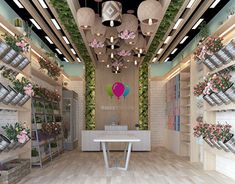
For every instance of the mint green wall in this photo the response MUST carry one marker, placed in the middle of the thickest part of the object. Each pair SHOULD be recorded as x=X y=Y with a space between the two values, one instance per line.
x=213 y=25
x=9 y=14
x=160 y=69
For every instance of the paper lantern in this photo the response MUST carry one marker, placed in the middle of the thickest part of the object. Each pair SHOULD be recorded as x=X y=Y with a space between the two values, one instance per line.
x=148 y=30
x=141 y=43
x=129 y=23
x=149 y=12
x=111 y=13
x=98 y=29
x=85 y=17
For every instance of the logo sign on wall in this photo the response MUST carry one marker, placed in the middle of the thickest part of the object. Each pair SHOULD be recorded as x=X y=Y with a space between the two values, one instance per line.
x=118 y=89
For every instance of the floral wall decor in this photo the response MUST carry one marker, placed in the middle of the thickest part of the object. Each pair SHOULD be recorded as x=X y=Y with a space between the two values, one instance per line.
x=53 y=70
x=18 y=43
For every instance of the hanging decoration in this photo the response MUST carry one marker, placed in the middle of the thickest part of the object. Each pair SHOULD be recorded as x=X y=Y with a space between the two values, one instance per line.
x=125 y=35
x=109 y=90
x=111 y=13
x=147 y=30
x=124 y=53
x=85 y=17
x=96 y=44
x=126 y=91
x=98 y=29
x=118 y=89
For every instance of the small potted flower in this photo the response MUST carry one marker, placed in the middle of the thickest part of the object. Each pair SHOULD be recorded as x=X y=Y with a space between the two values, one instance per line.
x=137 y=126
x=35 y=156
x=54 y=147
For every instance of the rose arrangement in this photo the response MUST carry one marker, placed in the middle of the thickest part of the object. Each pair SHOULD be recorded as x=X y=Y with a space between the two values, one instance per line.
x=216 y=132
x=208 y=47
x=18 y=43
x=52 y=129
x=17 y=132
x=126 y=34
x=124 y=53
x=213 y=83
x=52 y=69
x=46 y=94
x=23 y=86
x=96 y=44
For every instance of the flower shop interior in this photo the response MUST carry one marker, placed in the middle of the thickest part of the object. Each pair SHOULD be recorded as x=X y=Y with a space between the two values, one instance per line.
x=110 y=92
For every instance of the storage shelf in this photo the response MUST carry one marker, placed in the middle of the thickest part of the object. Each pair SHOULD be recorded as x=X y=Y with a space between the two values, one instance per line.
x=15 y=69
x=224 y=107
x=223 y=67
x=12 y=107
x=44 y=77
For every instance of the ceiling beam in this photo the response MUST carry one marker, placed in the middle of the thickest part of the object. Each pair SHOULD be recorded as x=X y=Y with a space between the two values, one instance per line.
x=33 y=12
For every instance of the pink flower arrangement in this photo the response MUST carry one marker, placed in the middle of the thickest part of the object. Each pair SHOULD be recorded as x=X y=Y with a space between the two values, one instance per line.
x=126 y=34
x=96 y=44
x=28 y=90
x=117 y=64
x=124 y=53
x=23 y=45
x=22 y=137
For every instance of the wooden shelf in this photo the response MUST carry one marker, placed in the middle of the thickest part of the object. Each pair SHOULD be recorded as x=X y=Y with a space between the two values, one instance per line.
x=44 y=77
x=15 y=69
x=223 y=67
x=224 y=107
x=13 y=107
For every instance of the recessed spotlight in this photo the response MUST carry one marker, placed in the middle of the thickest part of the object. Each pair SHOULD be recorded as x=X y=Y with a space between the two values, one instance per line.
x=167 y=40
x=107 y=66
x=184 y=39
x=79 y=60
x=66 y=39
x=49 y=40
x=18 y=3
x=111 y=39
x=112 y=46
x=73 y=51
x=117 y=68
x=128 y=61
x=112 y=55
x=66 y=60
x=178 y=23
x=8 y=30
x=166 y=59
x=198 y=23
x=214 y=3
x=160 y=51
x=55 y=24
x=57 y=50
x=190 y=4
x=174 y=50
x=35 y=23
x=43 y=4
x=135 y=62
x=154 y=59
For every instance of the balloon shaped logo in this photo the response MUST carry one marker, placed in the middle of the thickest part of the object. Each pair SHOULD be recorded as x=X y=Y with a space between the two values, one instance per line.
x=118 y=89
x=126 y=91
x=109 y=90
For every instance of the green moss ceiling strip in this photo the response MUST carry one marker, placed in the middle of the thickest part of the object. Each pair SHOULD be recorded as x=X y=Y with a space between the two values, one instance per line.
x=168 y=18
x=66 y=17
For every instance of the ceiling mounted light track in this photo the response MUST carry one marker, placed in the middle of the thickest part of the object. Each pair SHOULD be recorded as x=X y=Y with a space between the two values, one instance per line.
x=111 y=13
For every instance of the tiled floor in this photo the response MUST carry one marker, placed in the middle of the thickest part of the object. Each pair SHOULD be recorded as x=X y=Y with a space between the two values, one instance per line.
x=157 y=167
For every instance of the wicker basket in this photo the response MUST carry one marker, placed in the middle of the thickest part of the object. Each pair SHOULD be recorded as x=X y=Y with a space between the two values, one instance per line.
x=13 y=171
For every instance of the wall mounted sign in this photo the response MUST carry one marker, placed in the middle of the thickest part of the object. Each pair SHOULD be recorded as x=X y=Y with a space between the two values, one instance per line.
x=118 y=89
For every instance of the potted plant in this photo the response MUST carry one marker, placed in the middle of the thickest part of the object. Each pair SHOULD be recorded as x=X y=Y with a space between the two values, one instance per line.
x=137 y=126
x=35 y=156
x=54 y=147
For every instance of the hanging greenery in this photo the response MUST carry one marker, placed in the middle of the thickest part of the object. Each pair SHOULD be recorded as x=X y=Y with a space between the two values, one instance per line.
x=168 y=18
x=67 y=20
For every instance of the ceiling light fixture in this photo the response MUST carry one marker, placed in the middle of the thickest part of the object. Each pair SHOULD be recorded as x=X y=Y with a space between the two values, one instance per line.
x=160 y=51
x=107 y=66
x=174 y=50
x=49 y=40
x=18 y=3
x=35 y=24
x=184 y=39
x=73 y=51
x=66 y=60
x=79 y=60
x=85 y=17
x=178 y=23
x=66 y=39
x=112 y=46
x=214 y=4
x=154 y=60
x=167 y=40
x=112 y=55
x=198 y=23
x=166 y=59
x=55 y=24
x=57 y=50
x=43 y=4
x=135 y=62
x=8 y=30
x=190 y=4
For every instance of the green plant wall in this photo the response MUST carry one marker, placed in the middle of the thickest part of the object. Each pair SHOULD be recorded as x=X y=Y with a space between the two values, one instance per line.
x=66 y=17
x=168 y=18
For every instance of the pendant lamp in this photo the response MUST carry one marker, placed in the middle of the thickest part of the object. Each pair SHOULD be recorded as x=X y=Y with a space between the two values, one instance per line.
x=111 y=13
x=85 y=17
x=141 y=43
x=149 y=12
x=148 y=30
x=132 y=41
x=98 y=28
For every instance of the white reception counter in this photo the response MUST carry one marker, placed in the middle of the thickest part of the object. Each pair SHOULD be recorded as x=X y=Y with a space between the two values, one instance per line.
x=88 y=137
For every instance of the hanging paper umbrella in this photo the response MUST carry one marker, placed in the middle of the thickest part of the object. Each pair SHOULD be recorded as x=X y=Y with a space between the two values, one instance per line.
x=126 y=91
x=118 y=89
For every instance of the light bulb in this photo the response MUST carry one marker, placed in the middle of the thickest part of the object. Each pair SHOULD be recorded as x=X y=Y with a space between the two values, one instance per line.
x=135 y=62
x=128 y=61
x=117 y=68
x=116 y=71
x=111 y=23
x=112 y=55
x=111 y=39
x=150 y=22
x=141 y=51
x=98 y=34
x=112 y=46
x=139 y=55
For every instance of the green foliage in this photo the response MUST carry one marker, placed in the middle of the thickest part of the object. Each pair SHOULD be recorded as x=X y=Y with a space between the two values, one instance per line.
x=68 y=21
x=34 y=153
x=168 y=18
x=20 y=84
x=53 y=145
